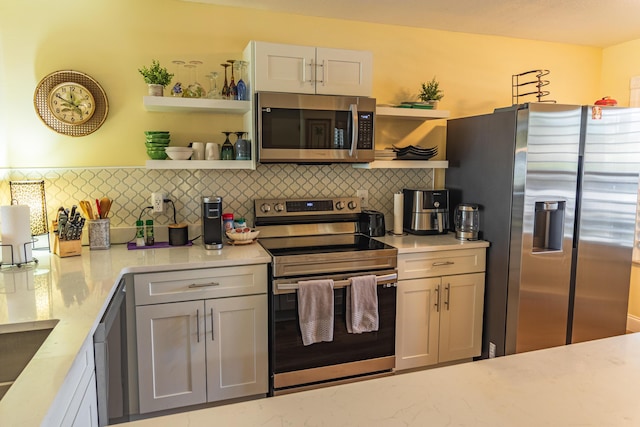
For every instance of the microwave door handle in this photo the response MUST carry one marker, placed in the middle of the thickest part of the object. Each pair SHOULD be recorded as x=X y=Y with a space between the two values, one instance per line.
x=353 y=108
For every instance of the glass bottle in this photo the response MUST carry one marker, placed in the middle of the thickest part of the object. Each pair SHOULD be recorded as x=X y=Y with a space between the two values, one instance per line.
x=139 y=233
x=227 y=152
x=149 y=238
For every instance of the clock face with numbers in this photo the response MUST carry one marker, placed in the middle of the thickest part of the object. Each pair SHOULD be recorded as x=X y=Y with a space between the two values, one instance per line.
x=71 y=103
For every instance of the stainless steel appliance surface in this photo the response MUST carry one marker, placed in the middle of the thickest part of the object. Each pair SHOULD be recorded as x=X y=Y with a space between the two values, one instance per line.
x=557 y=187
x=318 y=239
x=212 y=227
x=296 y=128
x=372 y=223
x=426 y=211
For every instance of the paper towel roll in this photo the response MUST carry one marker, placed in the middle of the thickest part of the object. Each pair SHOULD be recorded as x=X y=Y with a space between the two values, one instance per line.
x=15 y=230
x=398 y=206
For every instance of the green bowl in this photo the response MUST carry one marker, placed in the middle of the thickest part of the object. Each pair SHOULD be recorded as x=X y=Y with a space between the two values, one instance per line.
x=157 y=154
x=156 y=144
x=156 y=132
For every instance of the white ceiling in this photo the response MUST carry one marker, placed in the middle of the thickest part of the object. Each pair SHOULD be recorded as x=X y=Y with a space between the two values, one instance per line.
x=598 y=23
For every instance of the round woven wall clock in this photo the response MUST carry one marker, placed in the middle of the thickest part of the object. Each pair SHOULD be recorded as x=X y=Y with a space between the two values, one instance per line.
x=71 y=103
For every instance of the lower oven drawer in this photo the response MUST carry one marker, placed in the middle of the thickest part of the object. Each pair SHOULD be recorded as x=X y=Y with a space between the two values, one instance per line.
x=348 y=354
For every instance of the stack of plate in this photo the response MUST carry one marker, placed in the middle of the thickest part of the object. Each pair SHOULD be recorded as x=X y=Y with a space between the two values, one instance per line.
x=157 y=141
x=415 y=153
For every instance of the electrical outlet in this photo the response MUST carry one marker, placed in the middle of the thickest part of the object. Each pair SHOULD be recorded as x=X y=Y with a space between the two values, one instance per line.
x=157 y=202
x=492 y=350
x=363 y=195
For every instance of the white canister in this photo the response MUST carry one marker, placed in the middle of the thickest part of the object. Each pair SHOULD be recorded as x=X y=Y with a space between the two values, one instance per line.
x=212 y=151
x=198 y=151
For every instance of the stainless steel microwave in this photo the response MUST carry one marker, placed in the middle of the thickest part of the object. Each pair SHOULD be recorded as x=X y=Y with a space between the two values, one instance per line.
x=295 y=128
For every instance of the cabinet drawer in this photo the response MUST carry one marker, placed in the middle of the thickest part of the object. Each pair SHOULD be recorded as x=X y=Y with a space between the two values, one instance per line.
x=187 y=285
x=441 y=263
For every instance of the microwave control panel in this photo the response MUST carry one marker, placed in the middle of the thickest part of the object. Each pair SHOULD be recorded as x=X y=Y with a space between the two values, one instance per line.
x=365 y=130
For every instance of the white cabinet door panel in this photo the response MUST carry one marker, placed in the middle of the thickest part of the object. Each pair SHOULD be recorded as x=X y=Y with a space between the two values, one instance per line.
x=461 y=317
x=171 y=355
x=417 y=323
x=284 y=68
x=344 y=72
x=236 y=347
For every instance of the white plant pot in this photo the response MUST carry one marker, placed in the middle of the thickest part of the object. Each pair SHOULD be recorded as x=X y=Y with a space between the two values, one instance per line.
x=156 y=90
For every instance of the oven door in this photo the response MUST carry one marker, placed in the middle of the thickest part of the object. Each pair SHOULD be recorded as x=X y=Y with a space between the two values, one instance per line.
x=295 y=366
x=315 y=128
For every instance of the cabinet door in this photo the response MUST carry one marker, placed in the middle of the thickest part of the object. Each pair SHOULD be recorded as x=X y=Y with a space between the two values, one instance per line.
x=461 y=316
x=237 y=362
x=344 y=72
x=417 y=319
x=87 y=415
x=284 y=68
x=171 y=355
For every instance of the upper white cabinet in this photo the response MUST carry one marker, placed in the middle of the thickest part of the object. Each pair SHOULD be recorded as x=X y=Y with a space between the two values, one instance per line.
x=312 y=70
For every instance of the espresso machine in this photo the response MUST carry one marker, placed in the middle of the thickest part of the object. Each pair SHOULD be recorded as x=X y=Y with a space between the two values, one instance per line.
x=426 y=211
x=212 y=229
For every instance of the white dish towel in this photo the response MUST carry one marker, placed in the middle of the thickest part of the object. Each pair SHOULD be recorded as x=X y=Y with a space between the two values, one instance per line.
x=362 y=305
x=315 y=310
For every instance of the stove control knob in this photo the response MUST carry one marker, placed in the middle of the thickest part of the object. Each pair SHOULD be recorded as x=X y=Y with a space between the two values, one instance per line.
x=340 y=205
x=352 y=205
x=265 y=208
x=279 y=207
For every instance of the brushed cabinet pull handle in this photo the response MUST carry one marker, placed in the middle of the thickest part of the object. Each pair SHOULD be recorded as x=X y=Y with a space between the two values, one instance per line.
x=437 y=264
x=437 y=304
x=212 y=336
x=198 y=324
x=203 y=285
x=446 y=302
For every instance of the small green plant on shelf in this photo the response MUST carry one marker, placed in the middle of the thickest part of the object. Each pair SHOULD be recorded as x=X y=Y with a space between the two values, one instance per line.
x=155 y=74
x=431 y=91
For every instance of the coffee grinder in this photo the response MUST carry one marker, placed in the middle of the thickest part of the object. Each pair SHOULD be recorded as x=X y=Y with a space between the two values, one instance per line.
x=212 y=229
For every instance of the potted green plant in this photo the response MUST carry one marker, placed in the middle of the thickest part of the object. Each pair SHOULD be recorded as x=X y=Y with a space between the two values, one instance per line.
x=431 y=93
x=156 y=77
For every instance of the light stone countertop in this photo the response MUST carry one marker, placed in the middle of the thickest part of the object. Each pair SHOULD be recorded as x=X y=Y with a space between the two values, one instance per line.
x=75 y=291
x=588 y=384
x=411 y=243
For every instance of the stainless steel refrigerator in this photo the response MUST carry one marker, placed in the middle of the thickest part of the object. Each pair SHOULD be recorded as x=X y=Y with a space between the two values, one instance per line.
x=557 y=189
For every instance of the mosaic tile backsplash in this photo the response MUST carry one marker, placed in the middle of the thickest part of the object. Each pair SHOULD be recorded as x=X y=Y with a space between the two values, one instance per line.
x=131 y=188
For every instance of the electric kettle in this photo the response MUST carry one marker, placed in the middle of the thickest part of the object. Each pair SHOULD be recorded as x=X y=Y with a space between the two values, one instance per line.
x=467 y=221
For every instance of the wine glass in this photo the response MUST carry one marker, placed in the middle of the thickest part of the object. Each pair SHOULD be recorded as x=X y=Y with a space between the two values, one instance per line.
x=225 y=87
x=227 y=152
x=196 y=88
x=214 y=93
x=233 y=89
x=241 y=86
x=176 y=90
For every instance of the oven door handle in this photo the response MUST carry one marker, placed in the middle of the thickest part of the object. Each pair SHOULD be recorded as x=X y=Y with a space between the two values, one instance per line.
x=382 y=280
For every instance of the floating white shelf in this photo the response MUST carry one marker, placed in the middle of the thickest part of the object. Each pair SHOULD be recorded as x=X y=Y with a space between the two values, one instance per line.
x=403 y=164
x=200 y=164
x=195 y=105
x=411 y=113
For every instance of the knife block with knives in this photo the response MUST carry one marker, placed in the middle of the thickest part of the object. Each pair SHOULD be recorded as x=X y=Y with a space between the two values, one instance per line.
x=66 y=233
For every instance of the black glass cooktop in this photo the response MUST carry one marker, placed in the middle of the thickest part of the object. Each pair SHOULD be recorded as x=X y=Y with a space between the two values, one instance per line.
x=302 y=245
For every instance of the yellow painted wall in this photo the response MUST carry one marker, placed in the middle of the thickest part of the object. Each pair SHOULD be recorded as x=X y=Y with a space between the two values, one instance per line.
x=111 y=39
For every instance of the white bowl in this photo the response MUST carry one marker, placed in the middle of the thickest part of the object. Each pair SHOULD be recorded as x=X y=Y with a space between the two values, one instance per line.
x=178 y=153
x=249 y=235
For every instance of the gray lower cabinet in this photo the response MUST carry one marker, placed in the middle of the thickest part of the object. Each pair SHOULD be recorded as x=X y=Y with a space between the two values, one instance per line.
x=439 y=307
x=202 y=350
